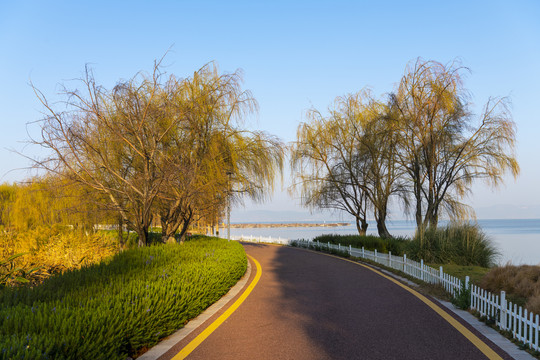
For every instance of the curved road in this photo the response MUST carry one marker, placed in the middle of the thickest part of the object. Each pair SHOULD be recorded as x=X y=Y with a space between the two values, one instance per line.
x=311 y=306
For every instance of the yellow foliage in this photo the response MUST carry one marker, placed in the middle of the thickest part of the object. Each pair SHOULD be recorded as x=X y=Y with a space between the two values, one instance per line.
x=55 y=249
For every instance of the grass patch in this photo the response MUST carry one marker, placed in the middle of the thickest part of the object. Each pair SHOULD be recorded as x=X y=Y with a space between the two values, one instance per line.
x=113 y=309
x=475 y=273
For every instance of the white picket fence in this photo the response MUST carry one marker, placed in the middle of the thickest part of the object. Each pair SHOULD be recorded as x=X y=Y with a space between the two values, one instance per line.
x=262 y=239
x=507 y=316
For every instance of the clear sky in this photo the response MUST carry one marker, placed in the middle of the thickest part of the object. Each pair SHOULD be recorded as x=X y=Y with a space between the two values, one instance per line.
x=294 y=55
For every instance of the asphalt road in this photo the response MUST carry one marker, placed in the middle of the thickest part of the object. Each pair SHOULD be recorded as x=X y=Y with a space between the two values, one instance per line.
x=311 y=306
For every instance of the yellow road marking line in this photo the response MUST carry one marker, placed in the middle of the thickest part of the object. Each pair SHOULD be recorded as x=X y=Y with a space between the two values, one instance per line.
x=210 y=329
x=482 y=346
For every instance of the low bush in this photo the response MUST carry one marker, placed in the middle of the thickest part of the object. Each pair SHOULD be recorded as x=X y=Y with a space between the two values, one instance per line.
x=462 y=299
x=460 y=244
x=52 y=250
x=113 y=309
x=395 y=245
x=521 y=284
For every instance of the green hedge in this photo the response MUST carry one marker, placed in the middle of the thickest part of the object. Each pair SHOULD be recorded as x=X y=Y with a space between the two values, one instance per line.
x=396 y=245
x=114 y=309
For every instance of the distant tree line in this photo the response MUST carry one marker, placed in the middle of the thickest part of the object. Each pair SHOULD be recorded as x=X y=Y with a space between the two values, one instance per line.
x=157 y=146
x=421 y=146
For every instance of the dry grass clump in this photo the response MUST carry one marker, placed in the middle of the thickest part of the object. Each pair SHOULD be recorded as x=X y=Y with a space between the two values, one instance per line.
x=521 y=283
x=55 y=249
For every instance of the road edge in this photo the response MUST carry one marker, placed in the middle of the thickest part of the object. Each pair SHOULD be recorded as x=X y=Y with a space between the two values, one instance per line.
x=494 y=336
x=166 y=344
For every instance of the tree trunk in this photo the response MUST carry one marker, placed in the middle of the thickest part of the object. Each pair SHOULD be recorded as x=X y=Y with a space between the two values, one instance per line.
x=163 y=232
x=433 y=220
x=417 y=194
x=381 y=228
x=169 y=226
x=143 y=237
x=121 y=232
x=361 y=226
x=380 y=217
x=185 y=226
x=168 y=229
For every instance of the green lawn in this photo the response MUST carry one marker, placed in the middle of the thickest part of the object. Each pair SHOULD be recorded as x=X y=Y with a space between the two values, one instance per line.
x=475 y=273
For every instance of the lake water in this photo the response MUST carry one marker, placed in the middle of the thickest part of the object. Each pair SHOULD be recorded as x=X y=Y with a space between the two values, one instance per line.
x=518 y=240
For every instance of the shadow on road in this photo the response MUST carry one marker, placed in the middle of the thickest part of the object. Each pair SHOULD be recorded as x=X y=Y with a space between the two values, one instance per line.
x=351 y=313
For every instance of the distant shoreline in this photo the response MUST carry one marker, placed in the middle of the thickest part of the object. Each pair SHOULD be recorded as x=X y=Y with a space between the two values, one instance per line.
x=286 y=225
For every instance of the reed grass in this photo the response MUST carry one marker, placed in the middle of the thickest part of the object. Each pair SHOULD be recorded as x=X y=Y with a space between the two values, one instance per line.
x=461 y=244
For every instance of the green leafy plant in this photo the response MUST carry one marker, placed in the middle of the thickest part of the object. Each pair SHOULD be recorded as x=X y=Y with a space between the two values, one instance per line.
x=462 y=298
x=10 y=273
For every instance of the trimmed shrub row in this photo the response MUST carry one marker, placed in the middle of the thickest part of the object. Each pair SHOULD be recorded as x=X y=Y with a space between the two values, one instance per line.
x=396 y=245
x=114 y=309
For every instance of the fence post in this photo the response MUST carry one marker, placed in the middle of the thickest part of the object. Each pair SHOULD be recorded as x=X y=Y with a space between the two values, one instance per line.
x=350 y=250
x=339 y=246
x=502 y=320
x=363 y=253
x=441 y=274
x=422 y=269
x=467 y=280
x=375 y=256
x=329 y=246
x=389 y=259
x=405 y=263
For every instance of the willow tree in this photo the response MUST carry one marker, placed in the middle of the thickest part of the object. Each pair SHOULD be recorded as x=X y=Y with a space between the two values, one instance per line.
x=345 y=161
x=159 y=145
x=213 y=154
x=443 y=146
x=111 y=141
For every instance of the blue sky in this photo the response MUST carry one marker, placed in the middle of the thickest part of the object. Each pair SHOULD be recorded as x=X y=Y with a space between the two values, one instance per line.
x=294 y=55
